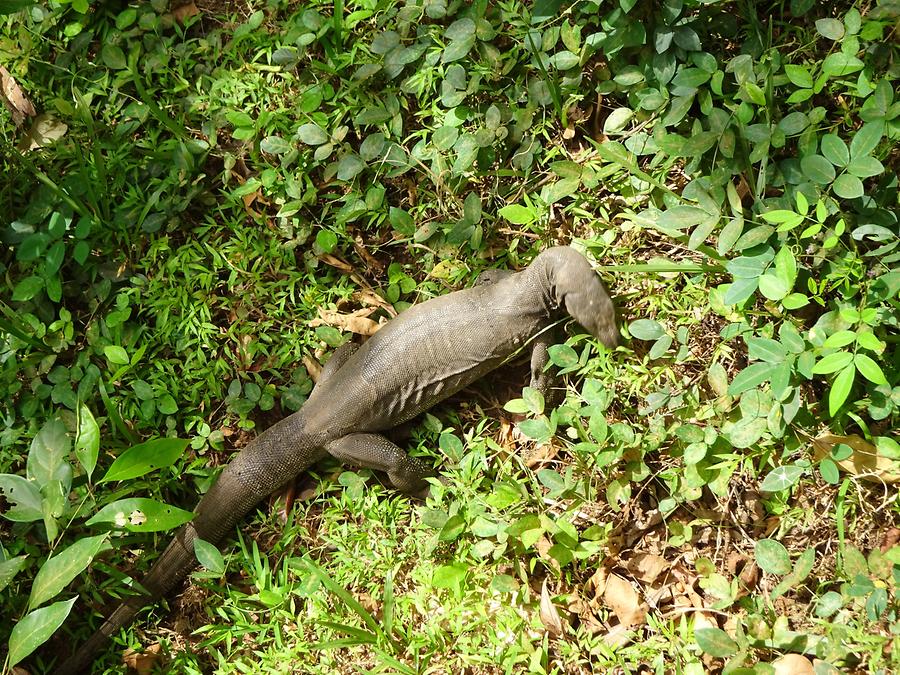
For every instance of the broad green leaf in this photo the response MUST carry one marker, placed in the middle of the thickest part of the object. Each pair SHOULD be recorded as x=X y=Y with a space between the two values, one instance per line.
x=551 y=480
x=517 y=214
x=786 y=266
x=729 y=235
x=749 y=267
x=56 y=573
x=516 y=406
x=718 y=379
x=887 y=447
x=795 y=301
x=450 y=576
x=537 y=429
x=869 y=341
x=617 y=120
x=10 y=568
x=35 y=629
x=754 y=93
x=564 y=60
x=238 y=118
x=745 y=432
x=47 y=456
x=869 y=369
x=754 y=237
x=460 y=29
x=138 y=514
x=113 y=57
x=87 y=442
x=715 y=642
x=778 y=216
x=829 y=471
x=752 y=376
x=781 y=478
x=793 y=123
x=833 y=363
x=840 y=339
x=23 y=499
x=144 y=458
x=838 y=64
x=534 y=400
x=739 y=290
x=865 y=166
x=325 y=240
x=817 y=169
x=766 y=349
x=848 y=186
x=840 y=389
x=660 y=347
x=835 y=150
x=27 y=288
x=866 y=139
x=772 y=557
x=680 y=217
x=349 y=166
x=275 y=145
x=209 y=556
x=563 y=356
x=798 y=75
x=458 y=49
x=116 y=355
x=833 y=29
x=646 y=329
x=828 y=604
x=312 y=134
x=773 y=287
x=791 y=338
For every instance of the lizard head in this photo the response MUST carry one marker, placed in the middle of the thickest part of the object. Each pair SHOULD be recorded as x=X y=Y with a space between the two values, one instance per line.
x=578 y=288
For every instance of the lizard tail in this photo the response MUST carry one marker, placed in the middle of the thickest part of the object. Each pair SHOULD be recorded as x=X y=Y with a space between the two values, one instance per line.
x=267 y=463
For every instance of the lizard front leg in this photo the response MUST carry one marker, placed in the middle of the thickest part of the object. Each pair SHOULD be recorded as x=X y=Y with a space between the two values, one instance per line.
x=543 y=379
x=374 y=451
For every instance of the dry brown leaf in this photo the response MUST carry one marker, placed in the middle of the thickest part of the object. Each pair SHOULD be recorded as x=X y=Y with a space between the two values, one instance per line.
x=313 y=367
x=891 y=537
x=183 y=12
x=541 y=454
x=543 y=546
x=865 y=461
x=549 y=614
x=618 y=636
x=624 y=601
x=597 y=582
x=249 y=199
x=354 y=322
x=337 y=263
x=368 y=297
x=793 y=664
x=646 y=566
x=371 y=261
x=44 y=130
x=14 y=98
x=142 y=662
x=704 y=620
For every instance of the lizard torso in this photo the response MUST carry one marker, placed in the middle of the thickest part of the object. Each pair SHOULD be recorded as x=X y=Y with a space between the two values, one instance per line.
x=429 y=352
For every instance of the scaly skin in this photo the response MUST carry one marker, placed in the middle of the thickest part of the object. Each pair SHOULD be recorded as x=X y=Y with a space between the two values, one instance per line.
x=429 y=352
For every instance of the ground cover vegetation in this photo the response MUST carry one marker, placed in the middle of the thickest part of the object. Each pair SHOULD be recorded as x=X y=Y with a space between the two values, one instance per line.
x=200 y=202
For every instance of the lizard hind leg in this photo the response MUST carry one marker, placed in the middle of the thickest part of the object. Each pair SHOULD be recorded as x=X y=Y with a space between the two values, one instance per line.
x=374 y=451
